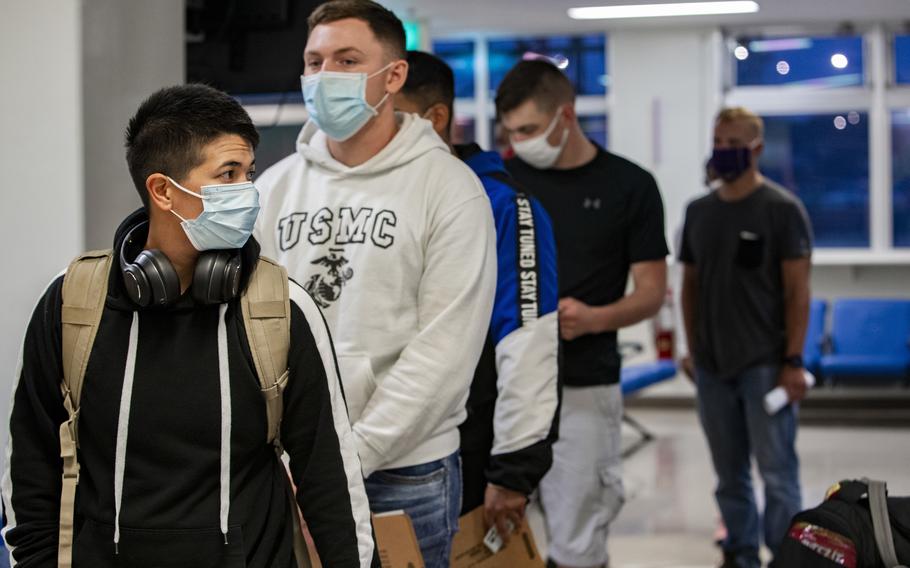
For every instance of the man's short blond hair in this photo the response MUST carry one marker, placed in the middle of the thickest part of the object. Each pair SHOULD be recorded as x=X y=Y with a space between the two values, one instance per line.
x=734 y=114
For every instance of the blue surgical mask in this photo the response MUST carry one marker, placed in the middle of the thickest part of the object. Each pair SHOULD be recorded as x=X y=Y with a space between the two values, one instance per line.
x=336 y=102
x=227 y=219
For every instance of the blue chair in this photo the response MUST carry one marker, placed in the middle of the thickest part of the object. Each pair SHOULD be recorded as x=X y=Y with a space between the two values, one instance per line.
x=815 y=335
x=635 y=378
x=869 y=338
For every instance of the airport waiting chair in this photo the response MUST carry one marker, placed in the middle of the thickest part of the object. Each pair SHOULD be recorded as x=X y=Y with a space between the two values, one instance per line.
x=815 y=336
x=637 y=377
x=869 y=338
x=634 y=379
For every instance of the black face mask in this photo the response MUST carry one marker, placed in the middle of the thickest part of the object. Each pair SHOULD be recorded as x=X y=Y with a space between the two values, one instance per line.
x=731 y=163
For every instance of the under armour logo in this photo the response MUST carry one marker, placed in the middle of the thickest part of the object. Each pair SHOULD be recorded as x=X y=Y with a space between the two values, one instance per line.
x=592 y=203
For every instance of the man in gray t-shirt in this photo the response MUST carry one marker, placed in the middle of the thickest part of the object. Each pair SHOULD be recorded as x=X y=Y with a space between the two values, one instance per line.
x=746 y=252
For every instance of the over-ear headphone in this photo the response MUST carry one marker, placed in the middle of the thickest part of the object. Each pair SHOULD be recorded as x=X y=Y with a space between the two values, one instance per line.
x=150 y=279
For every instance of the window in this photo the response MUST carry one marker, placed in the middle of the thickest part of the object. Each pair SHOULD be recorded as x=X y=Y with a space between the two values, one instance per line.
x=799 y=61
x=902 y=59
x=583 y=59
x=460 y=57
x=824 y=160
x=900 y=143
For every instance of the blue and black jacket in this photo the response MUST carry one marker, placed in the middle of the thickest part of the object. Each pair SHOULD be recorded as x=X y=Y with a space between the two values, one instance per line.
x=513 y=407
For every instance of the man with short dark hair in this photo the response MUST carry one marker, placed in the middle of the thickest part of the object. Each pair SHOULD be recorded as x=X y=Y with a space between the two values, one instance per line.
x=506 y=440
x=394 y=238
x=175 y=462
x=608 y=221
x=746 y=251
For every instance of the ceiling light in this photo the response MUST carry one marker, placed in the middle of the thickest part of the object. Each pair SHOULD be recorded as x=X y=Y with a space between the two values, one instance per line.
x=839 y=61
x=780 y=44
x=664 y=10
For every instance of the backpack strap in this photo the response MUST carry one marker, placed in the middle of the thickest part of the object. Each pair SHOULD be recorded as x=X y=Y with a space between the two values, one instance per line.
x=881 y=524
x=266 y=308
x=84 y=292
x=266 y=311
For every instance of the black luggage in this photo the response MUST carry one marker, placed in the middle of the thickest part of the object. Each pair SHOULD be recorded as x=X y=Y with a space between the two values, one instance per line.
x=857 y=526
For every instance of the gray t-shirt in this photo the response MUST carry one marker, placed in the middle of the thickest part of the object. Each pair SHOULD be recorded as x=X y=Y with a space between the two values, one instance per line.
x=737 y=248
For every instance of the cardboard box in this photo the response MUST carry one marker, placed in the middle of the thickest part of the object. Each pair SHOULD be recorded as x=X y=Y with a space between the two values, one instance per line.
x=395 y=539
x=468 y=550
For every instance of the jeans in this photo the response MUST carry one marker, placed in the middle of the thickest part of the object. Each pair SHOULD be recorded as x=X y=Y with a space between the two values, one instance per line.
x=430 y=494
x=737 y=427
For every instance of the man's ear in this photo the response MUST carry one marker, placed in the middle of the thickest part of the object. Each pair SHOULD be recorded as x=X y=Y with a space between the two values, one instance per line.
x=439 y=115
x=159 y=192
x=758 y=150
x=398 y=75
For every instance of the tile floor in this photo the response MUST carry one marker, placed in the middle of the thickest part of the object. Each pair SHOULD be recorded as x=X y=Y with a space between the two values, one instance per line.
x=670 y=516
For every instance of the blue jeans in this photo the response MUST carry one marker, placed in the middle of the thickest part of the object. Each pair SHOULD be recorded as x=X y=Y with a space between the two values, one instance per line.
x=430 y=494
x=737 y=427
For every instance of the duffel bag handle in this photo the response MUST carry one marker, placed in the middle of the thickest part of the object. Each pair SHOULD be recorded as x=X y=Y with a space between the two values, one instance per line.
x=881 y=523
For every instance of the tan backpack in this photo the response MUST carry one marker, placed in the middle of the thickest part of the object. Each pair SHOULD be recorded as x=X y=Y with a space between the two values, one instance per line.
x=266 y=316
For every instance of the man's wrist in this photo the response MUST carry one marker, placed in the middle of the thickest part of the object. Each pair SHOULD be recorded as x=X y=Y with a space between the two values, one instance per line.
x=602 y=320
x=794 y=361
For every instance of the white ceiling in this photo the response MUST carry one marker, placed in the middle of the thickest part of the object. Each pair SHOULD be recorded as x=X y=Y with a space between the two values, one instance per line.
x=460 y=17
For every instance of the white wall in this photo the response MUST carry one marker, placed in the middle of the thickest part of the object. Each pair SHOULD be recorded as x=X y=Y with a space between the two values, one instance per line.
x=41 y=224
x=665 y=91
x=890 y=281
x=664 y=99
x=74 y=72
x=131 y=48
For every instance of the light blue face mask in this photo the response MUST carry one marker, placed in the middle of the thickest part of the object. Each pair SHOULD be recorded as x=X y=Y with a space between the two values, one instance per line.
x=336 y=102
x=228 y=216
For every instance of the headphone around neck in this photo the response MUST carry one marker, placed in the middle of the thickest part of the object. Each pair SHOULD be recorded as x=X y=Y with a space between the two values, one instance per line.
x=151 y=279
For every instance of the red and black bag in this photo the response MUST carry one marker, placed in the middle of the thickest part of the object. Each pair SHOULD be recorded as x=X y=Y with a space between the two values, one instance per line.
x=857 y=526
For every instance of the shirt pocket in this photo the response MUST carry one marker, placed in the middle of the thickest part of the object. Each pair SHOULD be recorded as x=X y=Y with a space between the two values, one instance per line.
x=750 y=250
x=158 y=548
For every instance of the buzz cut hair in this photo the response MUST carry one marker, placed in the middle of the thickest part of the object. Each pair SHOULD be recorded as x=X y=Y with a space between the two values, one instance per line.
x=430 y=81
x=172 y=127
x=384 y=24
x=737 y=114
x=535 y=80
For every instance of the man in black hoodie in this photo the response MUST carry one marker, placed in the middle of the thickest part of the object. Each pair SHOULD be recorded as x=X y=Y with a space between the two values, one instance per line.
x=176 y=466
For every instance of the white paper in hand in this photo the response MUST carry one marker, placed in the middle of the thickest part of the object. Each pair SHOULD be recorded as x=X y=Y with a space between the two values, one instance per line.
x=777 y=397
x=493 y=541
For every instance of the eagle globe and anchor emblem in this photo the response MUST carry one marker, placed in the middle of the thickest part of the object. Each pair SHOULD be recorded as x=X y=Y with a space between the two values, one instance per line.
x=325 y=287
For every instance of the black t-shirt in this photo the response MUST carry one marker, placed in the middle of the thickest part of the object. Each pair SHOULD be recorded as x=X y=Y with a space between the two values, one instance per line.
x=737 y=248
x=607 y=215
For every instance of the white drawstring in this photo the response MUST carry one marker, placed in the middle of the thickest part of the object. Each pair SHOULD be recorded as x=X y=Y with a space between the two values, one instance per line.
x=123 y=426
x=225 y=379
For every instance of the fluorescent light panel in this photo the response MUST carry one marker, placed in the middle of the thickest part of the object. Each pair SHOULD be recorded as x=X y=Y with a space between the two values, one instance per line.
x=664 y=10
x=782 y=44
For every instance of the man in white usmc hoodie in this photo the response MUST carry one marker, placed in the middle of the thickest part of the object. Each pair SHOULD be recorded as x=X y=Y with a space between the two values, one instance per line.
x=393 y=236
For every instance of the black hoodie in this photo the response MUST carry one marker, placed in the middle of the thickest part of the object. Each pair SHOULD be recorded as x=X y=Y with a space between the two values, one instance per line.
x=171 y=501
